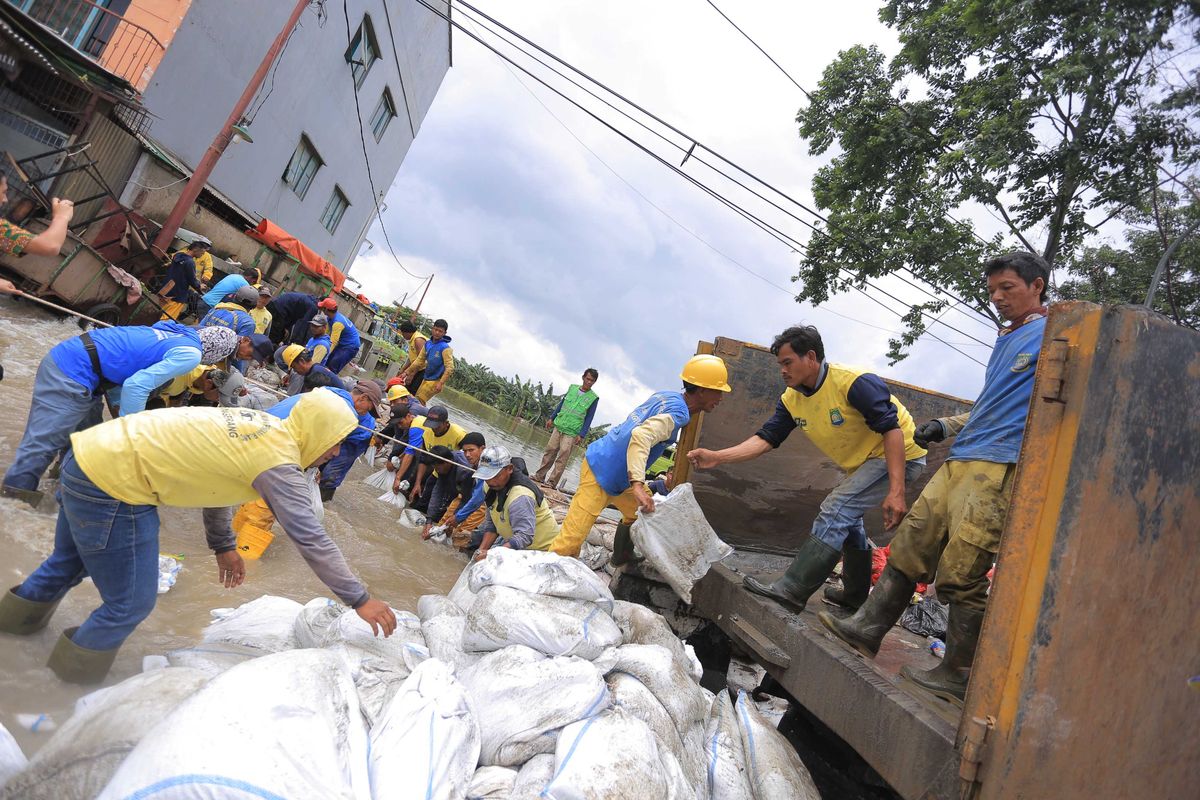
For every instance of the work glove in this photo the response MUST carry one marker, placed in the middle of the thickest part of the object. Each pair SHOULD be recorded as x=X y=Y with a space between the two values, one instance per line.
x=931 y=431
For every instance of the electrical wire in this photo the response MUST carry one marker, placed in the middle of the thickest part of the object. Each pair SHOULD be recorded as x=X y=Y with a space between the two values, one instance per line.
x=396 y=56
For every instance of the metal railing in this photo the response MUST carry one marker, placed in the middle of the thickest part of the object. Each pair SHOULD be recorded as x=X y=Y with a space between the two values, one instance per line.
x=122 y=47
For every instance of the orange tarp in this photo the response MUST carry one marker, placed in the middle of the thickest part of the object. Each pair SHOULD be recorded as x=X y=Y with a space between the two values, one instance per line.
x=272 y=235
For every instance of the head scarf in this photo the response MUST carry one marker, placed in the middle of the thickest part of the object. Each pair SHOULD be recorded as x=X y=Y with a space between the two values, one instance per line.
x=216 y=344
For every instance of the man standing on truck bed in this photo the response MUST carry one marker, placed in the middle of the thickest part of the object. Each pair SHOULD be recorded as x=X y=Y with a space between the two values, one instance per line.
x=614 y=466
x=953 y=533
x=854 y=419
x=572 y=420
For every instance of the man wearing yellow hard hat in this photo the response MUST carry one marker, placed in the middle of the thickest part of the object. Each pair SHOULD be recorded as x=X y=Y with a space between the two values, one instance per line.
x=614 y=466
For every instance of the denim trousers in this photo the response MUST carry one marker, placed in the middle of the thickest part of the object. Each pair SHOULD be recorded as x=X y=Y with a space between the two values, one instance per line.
x=839 y=523
x=58 y=407
x=113 y=542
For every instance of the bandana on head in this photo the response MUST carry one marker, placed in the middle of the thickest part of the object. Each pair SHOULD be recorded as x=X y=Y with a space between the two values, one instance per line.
x=216 y=344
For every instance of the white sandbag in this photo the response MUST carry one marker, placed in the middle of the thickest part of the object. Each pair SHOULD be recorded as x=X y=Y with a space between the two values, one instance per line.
x=437 y=534
x=312 y=624
x=380 y=480
x=396 y=499
x=411 y=518
x=614 y=756
x=533 y=777
x=669 y=681
x=555 y=626
x=774 y=769
x=677 y=541
x=12 y=760
x=406 y=645
x=266 y=623
x=286 y=724
x=539 y=572
x=602 y=536
x=460 y=594
x=594 y=556
x=522 y=698
x=427 y=743
x=443 y=638
x=313 y=476
x=212 y=659
x=632 y=696
x=491 y=783
x=368 y=456
x=82 y=755
x=727 y=777
x=431 y=605
x=640 y=625
x=694 y=662
x=377 y=681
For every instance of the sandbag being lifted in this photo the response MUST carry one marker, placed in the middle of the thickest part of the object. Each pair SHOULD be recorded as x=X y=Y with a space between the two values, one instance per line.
x=677 y=540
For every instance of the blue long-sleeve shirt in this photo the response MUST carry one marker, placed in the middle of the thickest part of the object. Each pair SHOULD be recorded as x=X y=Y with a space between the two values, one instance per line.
x=226 y=286
x=132 y=395
x=181 y=274
x=473 y=502
x=869 y=396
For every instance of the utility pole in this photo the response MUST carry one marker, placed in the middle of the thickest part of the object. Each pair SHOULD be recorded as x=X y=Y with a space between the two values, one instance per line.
x=213 y=154
x=417 y=310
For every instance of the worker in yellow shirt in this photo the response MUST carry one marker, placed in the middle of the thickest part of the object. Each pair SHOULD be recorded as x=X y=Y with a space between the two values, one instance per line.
x=204 y=264
x=614 y=466
x=260 y=314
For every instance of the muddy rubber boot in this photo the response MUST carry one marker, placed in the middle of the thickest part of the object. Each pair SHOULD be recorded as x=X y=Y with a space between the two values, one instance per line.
x=948 y=680
x=808 y=570
x=326 y=494
x=75 y=664
x=623 y=547
x=30 y=496
x=23 y=617
x=856 y=580
x=864 y=631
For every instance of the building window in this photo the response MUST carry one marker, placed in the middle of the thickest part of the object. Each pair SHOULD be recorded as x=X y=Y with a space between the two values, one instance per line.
x=383 y=114
x=334 y=210
x=302 y=167
x=363 y=51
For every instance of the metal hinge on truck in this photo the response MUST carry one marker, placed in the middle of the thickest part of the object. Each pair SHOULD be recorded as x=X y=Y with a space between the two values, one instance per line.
x=1054 y=370
x=972 y=755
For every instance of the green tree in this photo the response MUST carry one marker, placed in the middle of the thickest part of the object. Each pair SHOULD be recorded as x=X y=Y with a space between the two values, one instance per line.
x=1055 y=117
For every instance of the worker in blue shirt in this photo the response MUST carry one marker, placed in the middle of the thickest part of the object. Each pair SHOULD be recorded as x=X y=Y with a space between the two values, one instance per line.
x=225 y=287
x=290 y=314
x=952 y=535
x=126 y=363
x=367 y=396
x=180 y=281
x=343 y=336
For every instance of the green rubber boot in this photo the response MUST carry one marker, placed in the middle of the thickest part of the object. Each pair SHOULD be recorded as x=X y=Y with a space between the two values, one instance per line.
x=30 y=496
x=623 y=552
x=856 y=580
x=23 y=617
x=75 y=664
x=948 y=680
x=808 y=570
x=864 y=631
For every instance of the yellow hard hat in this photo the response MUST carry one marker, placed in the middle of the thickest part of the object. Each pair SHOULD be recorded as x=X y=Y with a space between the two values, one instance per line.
x=397 y=392
x=707 y=372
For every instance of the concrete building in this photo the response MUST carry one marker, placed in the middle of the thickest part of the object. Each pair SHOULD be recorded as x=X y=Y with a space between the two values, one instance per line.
x=305 y=169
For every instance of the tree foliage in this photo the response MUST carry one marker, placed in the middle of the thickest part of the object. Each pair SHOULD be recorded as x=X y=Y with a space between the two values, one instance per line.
x=1054 y=116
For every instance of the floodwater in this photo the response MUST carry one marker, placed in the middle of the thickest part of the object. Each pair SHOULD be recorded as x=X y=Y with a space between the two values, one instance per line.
x=396 y=565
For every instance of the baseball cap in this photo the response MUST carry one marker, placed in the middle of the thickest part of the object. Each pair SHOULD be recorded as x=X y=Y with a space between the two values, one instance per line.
x=371 y=390
x=319 y=321
x=263 y=347
x=328 y=303
x=397 y=392
x=494 y=459
x=245 y=294
x=264 y=291
x=437 y=414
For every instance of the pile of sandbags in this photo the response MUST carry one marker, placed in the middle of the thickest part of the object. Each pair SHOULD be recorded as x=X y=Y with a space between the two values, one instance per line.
x=527 y=681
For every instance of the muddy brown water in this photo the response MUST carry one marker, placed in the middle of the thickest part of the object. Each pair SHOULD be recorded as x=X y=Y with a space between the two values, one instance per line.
x=397 y=566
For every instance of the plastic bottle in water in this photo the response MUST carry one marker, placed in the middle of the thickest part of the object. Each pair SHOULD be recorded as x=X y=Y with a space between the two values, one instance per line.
x=938 y=648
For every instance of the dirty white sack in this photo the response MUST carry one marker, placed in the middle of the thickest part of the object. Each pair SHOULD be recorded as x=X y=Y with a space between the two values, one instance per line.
x=377 y=681
x=82 y=755
x=774 y=769
x=443 y=637
x=431 y=605
x=405 y=646
x=614 y=756
x=555 y=626
x=12 y=760
x=426 y=744
x=677 y=540
x=286 y=724
x=266 y=624
x=396 y=499
x=538 y=572
x=412 y=518
x=631 y=695
x=640 y=625
x=670 y=682
x=314 y=620
x=491 y=783
x=380 y=480
x=727 y=776
x=211 y=658
x=533 y=777
x=522 y=698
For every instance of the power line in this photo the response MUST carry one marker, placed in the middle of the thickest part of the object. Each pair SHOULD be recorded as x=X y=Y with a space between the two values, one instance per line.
x=366 y=159
x=803 y=91
x=403 y=92
x=703 y=187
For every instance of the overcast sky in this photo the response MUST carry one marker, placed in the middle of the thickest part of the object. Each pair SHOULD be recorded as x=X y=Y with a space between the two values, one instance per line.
x=547 y=261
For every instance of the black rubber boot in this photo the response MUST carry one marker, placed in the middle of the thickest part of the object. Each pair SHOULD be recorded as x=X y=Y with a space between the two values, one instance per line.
x=807 y=572
x=75 y=664
x=326 y=494
x=623 y=547
x=23 y=617
x=948 y=680
x=856 y=580
x=864 y=631
x=30 y=496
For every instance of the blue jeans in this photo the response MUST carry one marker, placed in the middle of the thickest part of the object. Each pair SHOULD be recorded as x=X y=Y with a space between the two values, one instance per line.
x=115 y=543
x=338 y=467
x=59 y=407
x=840 y=520
x=340 y=357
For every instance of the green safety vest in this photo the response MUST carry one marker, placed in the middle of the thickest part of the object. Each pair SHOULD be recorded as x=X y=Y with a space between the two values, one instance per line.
x=574 y=408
